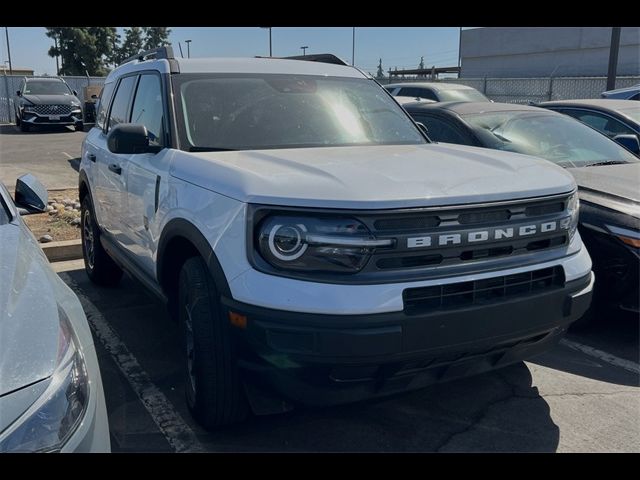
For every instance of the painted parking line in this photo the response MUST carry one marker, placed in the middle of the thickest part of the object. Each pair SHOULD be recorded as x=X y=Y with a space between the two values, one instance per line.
x=68 y=156
x=602 y=355
x=179 y=435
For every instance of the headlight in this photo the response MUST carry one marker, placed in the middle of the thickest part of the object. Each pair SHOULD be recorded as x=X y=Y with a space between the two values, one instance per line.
x=573 y=208
x=50 y=421
x=316 y=244
x=29 y=108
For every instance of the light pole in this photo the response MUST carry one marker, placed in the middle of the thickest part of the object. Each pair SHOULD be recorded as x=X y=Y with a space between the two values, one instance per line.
x=304 y=50
x=6 y=32
x=353 y=48
x=188 y=42
x=55 y=42
x=270 y=44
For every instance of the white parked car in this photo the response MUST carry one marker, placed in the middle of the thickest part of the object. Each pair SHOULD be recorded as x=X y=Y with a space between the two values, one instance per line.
x=314 y=245
x=436 y=91
x=51 y=397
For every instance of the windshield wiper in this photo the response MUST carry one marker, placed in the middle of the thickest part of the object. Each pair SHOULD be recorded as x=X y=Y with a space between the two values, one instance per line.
x=211 y=149
x=607 y=162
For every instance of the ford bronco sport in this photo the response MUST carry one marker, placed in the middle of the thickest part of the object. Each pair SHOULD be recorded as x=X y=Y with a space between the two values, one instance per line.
x=314 y=245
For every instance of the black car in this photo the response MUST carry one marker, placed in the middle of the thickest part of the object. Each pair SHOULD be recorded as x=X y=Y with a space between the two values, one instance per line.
x=617 y=119
x=607 y=176
x=47 y=101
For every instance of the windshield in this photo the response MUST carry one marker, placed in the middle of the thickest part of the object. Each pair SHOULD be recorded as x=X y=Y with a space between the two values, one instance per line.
x=462 y=95
x=261 y=111
x=558 y=138
x=46 y=88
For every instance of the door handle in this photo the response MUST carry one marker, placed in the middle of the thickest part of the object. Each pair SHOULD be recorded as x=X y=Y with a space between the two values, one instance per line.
x=115 y=168
x=91 y=157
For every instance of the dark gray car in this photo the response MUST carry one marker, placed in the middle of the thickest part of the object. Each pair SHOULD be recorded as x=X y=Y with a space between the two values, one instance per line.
x=47 y=101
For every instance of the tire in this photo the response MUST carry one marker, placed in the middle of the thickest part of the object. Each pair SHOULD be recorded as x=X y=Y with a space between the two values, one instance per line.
x=213 y=386
x=24 y=127
x=79 y=127
x=99 y=266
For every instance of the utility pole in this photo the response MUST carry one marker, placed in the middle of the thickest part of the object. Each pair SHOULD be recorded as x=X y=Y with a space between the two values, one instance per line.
x=353 y=48
x=304 y=50
x=6 y=32
x=613 y=58
x=270 y=44
x=188 y=42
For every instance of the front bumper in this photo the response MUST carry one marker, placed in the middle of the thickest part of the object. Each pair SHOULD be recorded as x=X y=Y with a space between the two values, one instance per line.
x=318 y=359
x=33 y=118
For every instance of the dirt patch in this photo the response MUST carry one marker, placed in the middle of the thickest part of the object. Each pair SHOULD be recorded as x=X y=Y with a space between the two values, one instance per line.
x=61 y=221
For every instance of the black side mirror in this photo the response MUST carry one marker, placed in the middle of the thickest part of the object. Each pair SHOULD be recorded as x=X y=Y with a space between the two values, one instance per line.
x=30 y=196
x=423 y=127
x=74 y=92
x=19 y=93
x=630 y=142
x=130 y=138
x=94 y=96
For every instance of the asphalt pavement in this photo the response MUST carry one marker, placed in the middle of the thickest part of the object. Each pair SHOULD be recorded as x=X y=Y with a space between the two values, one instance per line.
x=51 y=153
x=582 y=396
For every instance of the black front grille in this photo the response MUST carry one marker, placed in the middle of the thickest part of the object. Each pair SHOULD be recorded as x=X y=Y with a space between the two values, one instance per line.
x=456 y=295
x=53 y=109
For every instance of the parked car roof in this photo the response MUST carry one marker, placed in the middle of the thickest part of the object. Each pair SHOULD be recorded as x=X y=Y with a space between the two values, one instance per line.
x=622 y=92
x=434 y=85
x=466 y=108
x=600 y=103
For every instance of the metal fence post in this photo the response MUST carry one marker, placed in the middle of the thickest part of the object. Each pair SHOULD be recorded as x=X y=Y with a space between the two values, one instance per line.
x=6 y=89
x=550 y=88
x=484 y=87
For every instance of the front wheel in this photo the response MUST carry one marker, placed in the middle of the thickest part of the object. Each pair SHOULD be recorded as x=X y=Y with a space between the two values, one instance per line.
x=79 y=127
x=99 y=266
x=213 y=386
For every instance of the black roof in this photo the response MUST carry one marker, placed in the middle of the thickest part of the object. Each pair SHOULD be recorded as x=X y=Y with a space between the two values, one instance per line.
x=604 y=104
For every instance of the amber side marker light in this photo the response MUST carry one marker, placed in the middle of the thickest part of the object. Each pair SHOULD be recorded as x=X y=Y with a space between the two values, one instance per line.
x=634 y=242
x=237 y=320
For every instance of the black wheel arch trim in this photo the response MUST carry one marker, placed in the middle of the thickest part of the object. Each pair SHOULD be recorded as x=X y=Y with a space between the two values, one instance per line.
x=179 y=227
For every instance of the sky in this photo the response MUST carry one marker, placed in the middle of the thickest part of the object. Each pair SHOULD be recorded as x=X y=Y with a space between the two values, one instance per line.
x=399 y=47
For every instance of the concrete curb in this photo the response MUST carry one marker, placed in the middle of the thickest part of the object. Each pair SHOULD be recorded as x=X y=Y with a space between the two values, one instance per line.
x=63 y=251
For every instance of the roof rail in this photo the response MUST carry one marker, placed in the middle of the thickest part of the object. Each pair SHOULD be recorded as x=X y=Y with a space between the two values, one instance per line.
x=156 y=53
x=316 y=57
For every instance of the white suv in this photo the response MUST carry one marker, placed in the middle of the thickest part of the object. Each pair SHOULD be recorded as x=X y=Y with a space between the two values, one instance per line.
x=314 y=245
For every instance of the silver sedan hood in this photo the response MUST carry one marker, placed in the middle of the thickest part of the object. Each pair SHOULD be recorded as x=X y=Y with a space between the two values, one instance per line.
x=28 y=311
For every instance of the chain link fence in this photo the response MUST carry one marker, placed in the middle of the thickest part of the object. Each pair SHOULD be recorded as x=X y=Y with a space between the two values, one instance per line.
x=9 y=85
x=508 y=90
x=524 y=90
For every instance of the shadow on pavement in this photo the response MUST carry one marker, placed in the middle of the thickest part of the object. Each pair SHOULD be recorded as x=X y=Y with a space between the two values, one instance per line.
x=616 y=334
x=14 y=130
x=498 y=411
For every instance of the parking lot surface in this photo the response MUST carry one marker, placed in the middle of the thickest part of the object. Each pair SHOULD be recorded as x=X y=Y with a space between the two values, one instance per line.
x=583 y=396
x=51 y=153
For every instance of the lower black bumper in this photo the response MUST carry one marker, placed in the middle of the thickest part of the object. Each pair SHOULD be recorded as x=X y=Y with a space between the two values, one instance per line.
x=329 y=359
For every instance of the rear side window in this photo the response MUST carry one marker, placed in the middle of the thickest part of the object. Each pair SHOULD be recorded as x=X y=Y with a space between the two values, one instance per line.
x=603 y=123
x=122 y=102
x=103 y=104
x=417 y=92
x=147 y=108
x=442 y=131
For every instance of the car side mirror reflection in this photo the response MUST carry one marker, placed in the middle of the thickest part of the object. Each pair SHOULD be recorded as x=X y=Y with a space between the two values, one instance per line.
x=130 y=138
x=423 y=127
x=31 y=196
x=630 y=142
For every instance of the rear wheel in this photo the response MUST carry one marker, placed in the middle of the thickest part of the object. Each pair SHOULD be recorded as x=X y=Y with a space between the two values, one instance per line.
x=99 y=266
x=213 y=386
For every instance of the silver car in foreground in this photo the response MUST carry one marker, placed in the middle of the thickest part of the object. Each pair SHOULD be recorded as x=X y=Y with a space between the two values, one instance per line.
x=51 y=397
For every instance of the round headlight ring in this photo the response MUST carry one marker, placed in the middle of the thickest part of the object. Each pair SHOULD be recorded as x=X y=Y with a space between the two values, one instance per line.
x=286 y=241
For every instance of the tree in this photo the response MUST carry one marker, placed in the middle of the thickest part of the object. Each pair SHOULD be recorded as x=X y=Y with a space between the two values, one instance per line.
x=83 y=49
x=132 y=45
x=380 y=72
x=155 y=37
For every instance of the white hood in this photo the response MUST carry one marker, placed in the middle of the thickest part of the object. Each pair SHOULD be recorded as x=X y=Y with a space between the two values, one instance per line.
x=373 y=177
